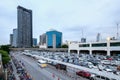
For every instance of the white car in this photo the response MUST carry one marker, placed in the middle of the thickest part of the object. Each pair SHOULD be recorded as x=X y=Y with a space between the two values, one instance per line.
x=117 y=72
x=108 y=69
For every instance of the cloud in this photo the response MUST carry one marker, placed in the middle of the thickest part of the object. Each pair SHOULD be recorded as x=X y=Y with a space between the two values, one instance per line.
x=67 y=16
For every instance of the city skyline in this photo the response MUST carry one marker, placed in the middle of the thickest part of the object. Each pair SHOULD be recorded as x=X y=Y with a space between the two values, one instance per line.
x=70 y=17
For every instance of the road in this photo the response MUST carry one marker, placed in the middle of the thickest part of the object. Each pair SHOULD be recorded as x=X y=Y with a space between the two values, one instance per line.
x=48 y=73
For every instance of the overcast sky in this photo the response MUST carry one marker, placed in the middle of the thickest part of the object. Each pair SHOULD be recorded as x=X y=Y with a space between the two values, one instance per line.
x=71 y=17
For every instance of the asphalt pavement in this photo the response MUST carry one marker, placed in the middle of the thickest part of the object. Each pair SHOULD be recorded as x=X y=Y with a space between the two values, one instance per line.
x=49 y=73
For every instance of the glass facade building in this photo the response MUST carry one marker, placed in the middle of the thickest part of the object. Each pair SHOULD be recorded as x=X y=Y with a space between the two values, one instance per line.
x=53 y=39
x=14 y=38
x=83 y=40
x=24 y=17
x=11 y=39
x=34 y=42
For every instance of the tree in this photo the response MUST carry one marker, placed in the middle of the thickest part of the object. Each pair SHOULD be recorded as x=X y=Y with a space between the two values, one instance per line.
x=64 y=46
x=5 y=57
x=5 y=48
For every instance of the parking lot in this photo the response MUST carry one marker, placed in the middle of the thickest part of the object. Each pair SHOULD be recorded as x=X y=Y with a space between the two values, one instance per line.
x=93 y=62
x=44 y=73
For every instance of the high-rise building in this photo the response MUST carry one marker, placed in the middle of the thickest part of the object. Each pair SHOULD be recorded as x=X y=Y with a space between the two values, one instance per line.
x=34 y=42
x=14 y=38
x=98 y=37
x=83 y=40
x=24 y=17
x=42 y=43
x=11 y=39
x=43 y=39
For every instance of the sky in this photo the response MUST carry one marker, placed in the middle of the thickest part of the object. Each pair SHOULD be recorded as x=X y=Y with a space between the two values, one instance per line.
x=74 y=18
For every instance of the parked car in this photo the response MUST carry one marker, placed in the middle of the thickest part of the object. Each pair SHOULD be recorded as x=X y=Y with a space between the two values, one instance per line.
x=92 y=77
x=116 y=72
x=98 y=77
x=109 y=69
x=71 y=61
x=106 y=62
x=83 y=73
x=65 y=60
x=83 y=63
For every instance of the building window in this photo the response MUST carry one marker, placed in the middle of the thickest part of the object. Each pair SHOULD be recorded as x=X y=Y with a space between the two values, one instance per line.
x=115 y=44
x=99 y=45
x=84 y=45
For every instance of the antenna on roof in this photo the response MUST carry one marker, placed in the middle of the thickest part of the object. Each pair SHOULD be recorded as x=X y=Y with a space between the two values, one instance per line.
x=117 y=31
x=82 y=33
x=83 y=39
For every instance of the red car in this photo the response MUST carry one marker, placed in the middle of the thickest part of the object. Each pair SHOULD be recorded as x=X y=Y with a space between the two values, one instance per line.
x=109 y=59
x=83 y=73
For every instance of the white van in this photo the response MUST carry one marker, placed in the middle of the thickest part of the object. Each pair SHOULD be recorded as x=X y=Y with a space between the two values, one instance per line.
x=42 y=63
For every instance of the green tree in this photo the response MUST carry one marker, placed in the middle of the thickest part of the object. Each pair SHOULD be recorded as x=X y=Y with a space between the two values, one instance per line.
x=5 y=48
x=64 y=46
x=5 y=57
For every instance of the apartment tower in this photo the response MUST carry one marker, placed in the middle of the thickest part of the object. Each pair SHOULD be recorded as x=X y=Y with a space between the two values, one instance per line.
x=24 y=18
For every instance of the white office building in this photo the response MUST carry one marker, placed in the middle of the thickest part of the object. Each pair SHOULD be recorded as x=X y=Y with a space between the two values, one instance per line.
x=109 y=47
